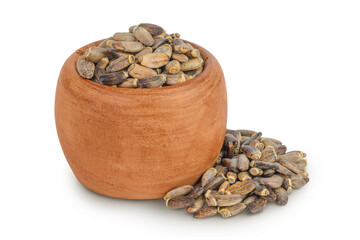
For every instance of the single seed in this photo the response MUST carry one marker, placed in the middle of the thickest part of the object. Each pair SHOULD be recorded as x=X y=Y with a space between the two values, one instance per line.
x=115 y=53
x=215 y=199
x=153 y=29
x=172 y=79
x=205 y=212
x=280 y=149
x=197 y=205
x=251 y=152
x=192 y=64
x=230 y=142
x=130 y=47
x=180 y=202
x=143 y=52
x=85 y=68
x=290 y=166
x=154 y=60
x=113 y=78
x=232 y=210
x=159 y=42
x=166 y=49
x=141 y=72
x=215 y=183
x=257 y=206
x=180 y=46
x=223 y=187
x=129 y=83
x=208 y=176
x=281 y=196
x=243 y=162
x=255 y=171
x=143 y=36
x=173 y=67
x=269 y=172
x=95 y=54
x=230 y=163
x=195 y=73
x=268 y=143
x=152 y=82
x=120 y=63
x=274 y=181
x=231 y=176
x=179 y=191
x=241 y=188
x=180 y=57
x=243 y=176
x=124 y=36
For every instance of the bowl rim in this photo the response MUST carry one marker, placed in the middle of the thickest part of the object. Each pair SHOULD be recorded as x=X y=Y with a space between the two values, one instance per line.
x=210 y=64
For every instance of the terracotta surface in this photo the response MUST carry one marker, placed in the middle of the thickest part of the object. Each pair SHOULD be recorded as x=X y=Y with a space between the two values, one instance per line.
x=140 y=143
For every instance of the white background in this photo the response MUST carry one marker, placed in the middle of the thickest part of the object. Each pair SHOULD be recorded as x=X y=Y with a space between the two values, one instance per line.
x=292 y=72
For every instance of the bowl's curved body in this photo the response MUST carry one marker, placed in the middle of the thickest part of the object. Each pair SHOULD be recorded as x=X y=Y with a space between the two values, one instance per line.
x=140 y=143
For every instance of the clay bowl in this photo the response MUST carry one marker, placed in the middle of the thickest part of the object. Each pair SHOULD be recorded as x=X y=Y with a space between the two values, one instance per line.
x=140 y=143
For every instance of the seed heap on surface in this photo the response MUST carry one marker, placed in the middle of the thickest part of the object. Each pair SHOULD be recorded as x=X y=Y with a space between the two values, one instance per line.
x=144 y=57
x=249 y=172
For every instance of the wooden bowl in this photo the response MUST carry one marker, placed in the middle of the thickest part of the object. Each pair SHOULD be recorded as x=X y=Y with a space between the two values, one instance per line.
x=140 y=143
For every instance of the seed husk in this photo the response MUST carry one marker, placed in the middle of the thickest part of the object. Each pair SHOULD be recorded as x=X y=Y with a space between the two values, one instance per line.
x=281 y=196
x=179 y=191
x=114 y=78
x=251 y=152
x=124 y=36
x=173 y=67
x=205 y=212
x=257 y=206
x=180 y=57
x=243 y=162
x=120 y=63
x=129 y=83
x=241 y=188
x=143 y=36
x=154 y=60
x=131 y=47
x=208 y=176
x=85 y=68
x=192 y=64
x=152 y=82
x=140 y=72
x=197 y=205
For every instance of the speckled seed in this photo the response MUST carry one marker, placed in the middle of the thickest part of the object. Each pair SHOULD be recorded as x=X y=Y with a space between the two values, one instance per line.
x=129 y=83
x=298 y=180
x=283 y=170
x=143 y=36
x=194 y=53
x=261 y=190
x=208 y=176
x=274 y=181
x=221 y=170
x=159 y=42
x=172 y=79
x=180 y=202
x=215 y=183
x=251 y=152
x=243 y=176
x=115 y=53
x=223 y=187
x=277 y=142
x=214 y=199
x=268 y=173
x=154 y=60
x=195 y=73
x=153 y=29
x=180 y=46
x=113 y=78
x=281 y=196
x=232 y=210
x=268 y=143
x=179 y=191
x=152 y=82
x=180 y=57
x=268 y=155
x=173 y=66
x=120 y=63
x=290 y=166
x=231 y=176
x=85 y=68
x=131 y=47
x=95 y=54
x=124 y=36
x=192 y=64
x=143 y=52
x=166 y=49
x=280 y=149
x=230 y=163
x=205 y=212
x=257 y=206
x=197 y=205
x=272 y=196
x=255 y=171
x=252 y=138
x=241 y=188
x=263 y=165
x=141 y=72
x=103 y=63
x=243 y=162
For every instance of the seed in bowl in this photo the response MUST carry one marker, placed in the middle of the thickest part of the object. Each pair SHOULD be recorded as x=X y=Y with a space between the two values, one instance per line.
x=144 y=57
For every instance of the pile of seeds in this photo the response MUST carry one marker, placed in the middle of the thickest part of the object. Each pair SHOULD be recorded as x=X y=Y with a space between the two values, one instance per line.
x=144 y=57
x=249 y=172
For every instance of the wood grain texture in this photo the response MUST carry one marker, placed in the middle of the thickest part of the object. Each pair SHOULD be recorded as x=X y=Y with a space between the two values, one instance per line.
x=140 y=143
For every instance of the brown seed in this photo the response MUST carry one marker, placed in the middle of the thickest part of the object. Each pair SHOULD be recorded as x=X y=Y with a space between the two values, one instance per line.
x=124 y=36
x=301 y=164
x=250 y=200
x=274 y=181
x=261 y=190
x=143 y=36
x=195 y=73
x=232 y=210
x=272 y=196
x=166 y=49
x=180 y=202
x=208 y=176
x=257 y=144
x=103 y=63
x=115 y=53
x=180 y=46
x=283 y=170
x=287 y=184
x=192 y=64
x=223 y=187
x=172 y=79
x=159 y=42
x=230 y=142
x=299 y=153
x=243 y=162
x=252 y=138
x=152 y=82
x=131 y=47
x=197 y=205
x=175 y=35
x=141 y=72
x=154 y=60
x=173 y=67
x=153 y=29
x=215 y=183
x=268 y=143
x=214 y=199
x=290 y=166
x=268 y=155
x=129 y=83
x=243 y=176
x=243 y=139
x=241 y=188
x=113 y=78
x=231 y=176
x=205 y=212
x=230 y=163
x=291 y=157
x=131 y=28
x=120 y=63
x=98 y=73
x=280 y=149
x=221 y=170
x=247 y=133
x=143 y=52
x=277 y=142
x=95 y=54
x=256 y=171
x=85 y=68
x=257 y=206
x=251 y=152
x=268 y=173
x=180 y=57
x=281 y=196
x=179 y=191
x=263 y=165
x=194 y=53
x=298 y=180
